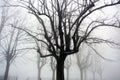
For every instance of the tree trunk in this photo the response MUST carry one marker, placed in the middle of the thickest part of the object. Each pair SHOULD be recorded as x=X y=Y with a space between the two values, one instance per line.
x=101 y=77
x=60 y=67
x=67 y=74
x=81 y=73
x=85 y=75
x=93 y=75
x=6 y=71
x=39 y=78
x=53 y=75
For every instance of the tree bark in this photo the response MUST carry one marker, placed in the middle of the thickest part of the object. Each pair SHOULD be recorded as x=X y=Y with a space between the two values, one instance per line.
x=60 y=67
x=6 y=71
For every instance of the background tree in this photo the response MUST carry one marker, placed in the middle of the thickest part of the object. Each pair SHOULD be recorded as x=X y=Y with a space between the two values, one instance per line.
x=97 y=67
x=68 y=63
x=9 y=37
x=40 y=64
x=53 y=67
x=9 y=49
x=100 y=71
x=3 y=17
x=62 y=30
x=3 y=21
x=83 y=62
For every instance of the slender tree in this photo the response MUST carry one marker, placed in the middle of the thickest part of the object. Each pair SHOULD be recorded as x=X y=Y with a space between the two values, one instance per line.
x=62 y=26
x=40 y=64
x=94 y=66
x=53 y=67
x=3 y=17
x=10 y=51
x=100 y=71
x=83 y=63
x=67 y=66
x=9 y=47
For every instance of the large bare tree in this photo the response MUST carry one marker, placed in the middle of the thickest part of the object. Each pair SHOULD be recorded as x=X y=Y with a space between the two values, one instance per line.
x=62 y=26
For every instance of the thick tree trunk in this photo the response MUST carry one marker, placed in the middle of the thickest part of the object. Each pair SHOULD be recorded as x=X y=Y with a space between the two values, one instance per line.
x=6 y=71
x=60 y=68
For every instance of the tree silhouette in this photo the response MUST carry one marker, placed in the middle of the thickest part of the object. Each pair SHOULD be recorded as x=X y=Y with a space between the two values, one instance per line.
x=62 y=23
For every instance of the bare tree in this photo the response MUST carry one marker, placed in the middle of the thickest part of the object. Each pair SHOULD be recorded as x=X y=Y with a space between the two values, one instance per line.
x=83 y=63
x=53 y=67
x=95 y=65
x=67 y=66
x=100 y=71
x=61 y=22
x=9 y=48
x=8 y=52
x=40 y=64
x=4 y=17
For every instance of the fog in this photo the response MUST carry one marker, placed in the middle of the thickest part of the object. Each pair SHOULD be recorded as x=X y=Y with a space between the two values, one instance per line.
x=24 y=67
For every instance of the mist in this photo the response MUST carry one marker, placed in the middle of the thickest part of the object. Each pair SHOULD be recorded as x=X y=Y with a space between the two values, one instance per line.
x=22 y=34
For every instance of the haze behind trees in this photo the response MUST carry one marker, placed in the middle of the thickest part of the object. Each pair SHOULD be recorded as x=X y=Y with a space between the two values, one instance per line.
x=67 y=29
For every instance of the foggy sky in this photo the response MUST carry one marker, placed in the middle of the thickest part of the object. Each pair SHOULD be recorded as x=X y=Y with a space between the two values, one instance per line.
x=25 y=67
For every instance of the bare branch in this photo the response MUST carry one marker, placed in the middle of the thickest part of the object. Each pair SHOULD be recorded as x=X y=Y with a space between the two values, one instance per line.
x=99 y=53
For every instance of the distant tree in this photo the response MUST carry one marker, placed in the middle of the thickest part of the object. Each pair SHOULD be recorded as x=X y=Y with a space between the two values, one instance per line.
x=9 y=36
x=9 y=47
x=3 y=18
x=83 y=62
x=10 y=51
x=95 y=65
x=62 y=26
x=53 y=67
x=40 y=64
x=67 y=66
x=100 y=71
